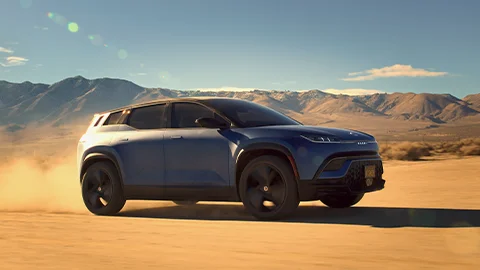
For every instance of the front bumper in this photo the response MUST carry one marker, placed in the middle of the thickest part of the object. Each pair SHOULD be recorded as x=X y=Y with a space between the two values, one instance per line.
x=352 y=181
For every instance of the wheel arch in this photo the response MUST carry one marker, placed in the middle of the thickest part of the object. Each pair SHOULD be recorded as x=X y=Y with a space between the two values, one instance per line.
x=260 y=149
x=98 y=156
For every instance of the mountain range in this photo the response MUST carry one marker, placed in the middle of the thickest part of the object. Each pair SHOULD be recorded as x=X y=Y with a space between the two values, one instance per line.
x=77 y=98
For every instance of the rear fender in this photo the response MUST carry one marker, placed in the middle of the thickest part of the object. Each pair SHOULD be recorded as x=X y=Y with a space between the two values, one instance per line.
x=102 y=153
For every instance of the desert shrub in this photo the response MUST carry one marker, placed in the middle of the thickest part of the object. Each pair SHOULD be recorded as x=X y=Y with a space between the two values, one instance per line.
x=470 y=150
x=416 y=150
x=464 y=147
x=405 y=151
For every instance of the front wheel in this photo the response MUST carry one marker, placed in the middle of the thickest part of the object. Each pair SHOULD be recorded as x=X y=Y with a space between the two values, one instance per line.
x=101 y=189
x=268 y=188
x=341 y=201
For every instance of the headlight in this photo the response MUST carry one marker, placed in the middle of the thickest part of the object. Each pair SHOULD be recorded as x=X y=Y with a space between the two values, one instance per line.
x=321 y=138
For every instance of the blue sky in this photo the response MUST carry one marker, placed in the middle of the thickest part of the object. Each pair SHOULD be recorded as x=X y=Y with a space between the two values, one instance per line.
x=388 y=46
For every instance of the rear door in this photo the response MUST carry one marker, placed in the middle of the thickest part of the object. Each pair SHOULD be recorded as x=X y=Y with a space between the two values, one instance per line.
x=141 y=145
x=195 y=157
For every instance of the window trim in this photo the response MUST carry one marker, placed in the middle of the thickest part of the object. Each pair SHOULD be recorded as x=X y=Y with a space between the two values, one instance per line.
x=105 y=122
x=128 y=113
x=97 y=123
x=170 y=110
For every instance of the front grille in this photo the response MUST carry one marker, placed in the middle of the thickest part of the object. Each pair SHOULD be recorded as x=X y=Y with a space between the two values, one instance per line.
x=355 y=177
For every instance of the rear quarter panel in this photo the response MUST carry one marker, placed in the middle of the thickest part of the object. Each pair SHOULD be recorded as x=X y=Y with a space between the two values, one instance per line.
x=97 y=140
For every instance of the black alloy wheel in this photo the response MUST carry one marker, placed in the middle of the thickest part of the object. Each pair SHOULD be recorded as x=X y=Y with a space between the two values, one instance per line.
x=268 y=188
x=101 y=189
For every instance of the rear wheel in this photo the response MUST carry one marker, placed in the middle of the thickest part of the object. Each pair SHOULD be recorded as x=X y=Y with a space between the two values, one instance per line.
x=268 y=188
x=341 y=201
x=101 y=189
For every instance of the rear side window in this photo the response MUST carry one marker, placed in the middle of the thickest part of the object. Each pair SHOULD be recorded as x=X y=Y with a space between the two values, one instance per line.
x=113 y=118
x=185 y=114
x=151 y=117
x=98 y=121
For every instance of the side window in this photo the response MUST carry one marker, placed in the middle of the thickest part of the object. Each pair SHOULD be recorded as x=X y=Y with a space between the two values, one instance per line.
x=98 y=121
x=113 y=118
x=185 y=114
x=151 y=117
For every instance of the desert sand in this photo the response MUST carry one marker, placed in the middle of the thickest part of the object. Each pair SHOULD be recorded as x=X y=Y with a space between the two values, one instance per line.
x=428 y=217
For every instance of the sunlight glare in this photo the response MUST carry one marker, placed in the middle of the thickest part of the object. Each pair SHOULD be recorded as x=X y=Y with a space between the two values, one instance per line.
x=96 y=40
x=122 y=54
x=73 y=27
x=57 y=18
x=164 y=76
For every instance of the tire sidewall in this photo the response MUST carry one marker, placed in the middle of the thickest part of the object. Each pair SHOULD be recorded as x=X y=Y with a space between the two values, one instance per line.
x=291 y=190
x=118 y=199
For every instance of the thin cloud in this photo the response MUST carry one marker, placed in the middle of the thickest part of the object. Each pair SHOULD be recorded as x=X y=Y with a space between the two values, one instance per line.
x=348 y=91
x=397 y=70
x=138 y=74
x=14 y=61
x=43 y=28
x=353 y=91
x=226 y=88
x=37 y=66
x=5 y=50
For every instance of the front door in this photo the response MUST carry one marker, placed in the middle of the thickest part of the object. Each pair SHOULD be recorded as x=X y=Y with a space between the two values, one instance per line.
x=195 y=157
x=142 y=148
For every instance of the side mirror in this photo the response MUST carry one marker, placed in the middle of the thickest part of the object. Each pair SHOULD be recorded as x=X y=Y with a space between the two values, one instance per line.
x=208 y=122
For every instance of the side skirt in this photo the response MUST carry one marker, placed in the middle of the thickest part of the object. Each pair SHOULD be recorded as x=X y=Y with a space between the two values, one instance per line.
x=226 y=194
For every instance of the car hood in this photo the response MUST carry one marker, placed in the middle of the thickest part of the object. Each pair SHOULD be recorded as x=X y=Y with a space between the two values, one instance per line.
x=343 y=134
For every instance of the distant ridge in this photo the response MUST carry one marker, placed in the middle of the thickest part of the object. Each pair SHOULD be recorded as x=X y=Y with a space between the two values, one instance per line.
x=77 y=98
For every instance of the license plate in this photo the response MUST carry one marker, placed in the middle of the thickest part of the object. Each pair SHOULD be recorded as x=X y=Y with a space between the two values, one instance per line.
x=370 y=171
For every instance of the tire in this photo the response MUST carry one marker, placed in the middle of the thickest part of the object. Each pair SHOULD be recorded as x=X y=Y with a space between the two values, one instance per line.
x=185 y=202
x=341 y=201
x=278 y=186
x=102 y=191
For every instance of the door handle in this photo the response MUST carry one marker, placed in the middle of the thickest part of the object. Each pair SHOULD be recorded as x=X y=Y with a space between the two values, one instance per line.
x=124 y=139
x=176 y=137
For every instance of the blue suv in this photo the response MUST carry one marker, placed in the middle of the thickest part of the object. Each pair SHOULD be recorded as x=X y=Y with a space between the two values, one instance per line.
x=222 y=149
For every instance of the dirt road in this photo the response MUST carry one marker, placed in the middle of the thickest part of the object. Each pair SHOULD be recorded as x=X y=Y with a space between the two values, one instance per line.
x=428 y=217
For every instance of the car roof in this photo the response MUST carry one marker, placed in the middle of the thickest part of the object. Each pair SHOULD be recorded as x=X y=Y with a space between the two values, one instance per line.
x=168 y=100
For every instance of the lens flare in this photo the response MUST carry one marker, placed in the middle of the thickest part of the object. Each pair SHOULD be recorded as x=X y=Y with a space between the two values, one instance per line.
x=122 y=54
x=73 y=27
x=164 y=76
x=96 y=40
x=57 y=18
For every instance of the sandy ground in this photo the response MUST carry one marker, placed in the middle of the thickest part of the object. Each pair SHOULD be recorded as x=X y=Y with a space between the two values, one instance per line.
x=428 y=217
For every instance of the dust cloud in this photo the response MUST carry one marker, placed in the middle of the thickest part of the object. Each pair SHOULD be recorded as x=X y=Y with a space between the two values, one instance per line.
x=34 y=182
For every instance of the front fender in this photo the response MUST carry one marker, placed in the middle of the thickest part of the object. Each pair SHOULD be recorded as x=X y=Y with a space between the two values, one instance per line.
x=279 y=145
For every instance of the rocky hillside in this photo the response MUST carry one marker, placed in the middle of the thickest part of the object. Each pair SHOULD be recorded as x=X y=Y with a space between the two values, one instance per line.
x=473 y=101
x=78 y=98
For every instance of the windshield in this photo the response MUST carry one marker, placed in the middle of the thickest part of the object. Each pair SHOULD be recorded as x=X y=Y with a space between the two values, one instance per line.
x=249 y=114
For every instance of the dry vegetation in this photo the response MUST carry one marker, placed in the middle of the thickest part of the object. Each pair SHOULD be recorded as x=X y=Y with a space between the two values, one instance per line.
x=414 y=151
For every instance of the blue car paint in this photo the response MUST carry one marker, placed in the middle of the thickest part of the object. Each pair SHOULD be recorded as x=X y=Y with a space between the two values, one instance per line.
x=208 y=157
